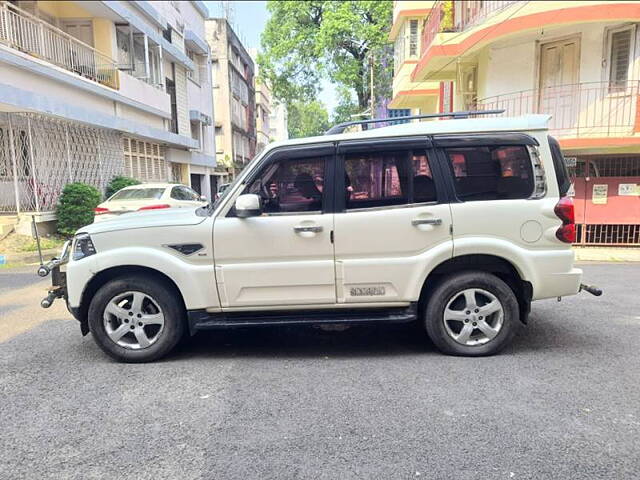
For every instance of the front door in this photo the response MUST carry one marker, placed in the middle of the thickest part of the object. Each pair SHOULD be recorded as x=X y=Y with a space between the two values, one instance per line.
x=559 y=76
x=285 y=256
x=392 y=224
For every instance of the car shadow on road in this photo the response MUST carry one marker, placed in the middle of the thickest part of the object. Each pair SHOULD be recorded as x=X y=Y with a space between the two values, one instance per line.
x=382 y=340
x=308 y=342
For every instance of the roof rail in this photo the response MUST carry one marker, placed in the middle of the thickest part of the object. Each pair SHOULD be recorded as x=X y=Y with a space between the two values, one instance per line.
x=342 y=126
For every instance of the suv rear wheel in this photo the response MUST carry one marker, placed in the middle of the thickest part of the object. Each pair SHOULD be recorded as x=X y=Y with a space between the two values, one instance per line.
x=136 y=319
x=472 y=314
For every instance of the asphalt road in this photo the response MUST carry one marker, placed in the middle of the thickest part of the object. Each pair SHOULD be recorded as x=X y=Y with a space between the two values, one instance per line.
x=562 y=402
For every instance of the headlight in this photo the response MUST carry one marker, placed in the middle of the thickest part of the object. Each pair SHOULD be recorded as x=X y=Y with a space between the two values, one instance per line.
x=83 y=247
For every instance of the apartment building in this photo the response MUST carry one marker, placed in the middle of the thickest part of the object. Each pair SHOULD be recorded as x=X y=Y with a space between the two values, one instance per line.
x=263 y=106
x=409 y=97
x=90 y=90
x=233 y=74
x=278 y=123
x=577 y=61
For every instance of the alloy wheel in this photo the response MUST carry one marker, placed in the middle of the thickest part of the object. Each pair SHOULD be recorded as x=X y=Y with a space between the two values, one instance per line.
x=473 y=317
x=133 y=320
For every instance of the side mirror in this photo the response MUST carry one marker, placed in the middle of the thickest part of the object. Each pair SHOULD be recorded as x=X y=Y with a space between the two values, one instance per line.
x=248 y=205
x=203 y=198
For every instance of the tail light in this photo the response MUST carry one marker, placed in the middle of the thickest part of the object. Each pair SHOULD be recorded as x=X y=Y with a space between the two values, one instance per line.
x=155 y=207
x=565 y=212
x=100 y=210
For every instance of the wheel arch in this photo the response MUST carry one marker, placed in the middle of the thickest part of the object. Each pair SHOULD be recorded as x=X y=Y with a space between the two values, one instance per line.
x=496 y=265
x=108 y=274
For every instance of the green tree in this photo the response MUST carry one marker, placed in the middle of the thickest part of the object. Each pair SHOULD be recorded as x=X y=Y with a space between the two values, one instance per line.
x=75 y=207
x=118 y=183
x=347 y=108
x=307 y=119
x=304 y=42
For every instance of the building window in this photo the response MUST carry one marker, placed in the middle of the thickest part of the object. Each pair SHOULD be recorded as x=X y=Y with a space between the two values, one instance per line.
x=144 y=160
x=166 y=33
x=196 y=133
x=194 y=74
x=398 y=53
x=398 y=112
x=413 y=38
x=621 y=50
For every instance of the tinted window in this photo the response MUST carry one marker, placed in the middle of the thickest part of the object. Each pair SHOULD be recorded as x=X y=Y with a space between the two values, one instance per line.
x=379 y=179
x=491 y=173
x=138 y=194
x=291 y=185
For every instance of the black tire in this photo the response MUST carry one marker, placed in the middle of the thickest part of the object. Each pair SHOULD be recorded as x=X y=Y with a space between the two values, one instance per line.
x=160 y=292
x=451 y=287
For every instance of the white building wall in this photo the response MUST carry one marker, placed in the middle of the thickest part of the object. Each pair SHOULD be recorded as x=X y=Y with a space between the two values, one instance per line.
x=514 y=67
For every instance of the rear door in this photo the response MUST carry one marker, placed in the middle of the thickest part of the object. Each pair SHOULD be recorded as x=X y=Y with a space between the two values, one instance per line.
x=496 y=179
x=392 y=220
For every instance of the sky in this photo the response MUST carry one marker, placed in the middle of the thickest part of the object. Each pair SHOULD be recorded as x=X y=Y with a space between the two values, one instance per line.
x=249 y=19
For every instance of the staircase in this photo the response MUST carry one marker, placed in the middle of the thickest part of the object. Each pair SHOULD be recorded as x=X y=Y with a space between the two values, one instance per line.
x=7 y=224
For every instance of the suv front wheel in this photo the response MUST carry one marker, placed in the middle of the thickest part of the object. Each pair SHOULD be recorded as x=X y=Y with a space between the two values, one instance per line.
x=472 y=314
x=136 y=319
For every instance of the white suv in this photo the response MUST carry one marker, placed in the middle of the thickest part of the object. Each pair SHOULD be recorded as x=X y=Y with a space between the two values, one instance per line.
x=459 y=224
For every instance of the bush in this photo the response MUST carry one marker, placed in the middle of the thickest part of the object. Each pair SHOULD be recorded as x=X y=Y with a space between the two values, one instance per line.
x=75 y=207
x=118 y=183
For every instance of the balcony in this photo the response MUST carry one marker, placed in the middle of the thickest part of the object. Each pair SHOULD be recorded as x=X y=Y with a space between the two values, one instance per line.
x=458 y=16
x=583 y=110
x=24 y=32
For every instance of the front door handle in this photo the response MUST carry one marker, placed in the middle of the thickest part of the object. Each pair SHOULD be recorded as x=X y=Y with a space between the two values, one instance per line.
x=426 y=221
x=308 y=229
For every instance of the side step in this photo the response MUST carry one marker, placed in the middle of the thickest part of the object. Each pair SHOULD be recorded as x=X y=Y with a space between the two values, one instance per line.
x=203 y=320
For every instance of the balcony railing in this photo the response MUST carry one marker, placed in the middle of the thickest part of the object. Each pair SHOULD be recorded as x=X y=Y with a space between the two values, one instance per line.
x=472 y=12
x=581 y=110
x=29 y=34
x=458 y=16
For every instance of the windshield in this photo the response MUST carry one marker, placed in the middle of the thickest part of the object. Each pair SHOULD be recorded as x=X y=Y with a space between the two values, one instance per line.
x=138 y=194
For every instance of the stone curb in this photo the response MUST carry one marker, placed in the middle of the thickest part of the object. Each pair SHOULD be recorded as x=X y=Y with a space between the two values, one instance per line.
x=600 y=254
x=28 y=257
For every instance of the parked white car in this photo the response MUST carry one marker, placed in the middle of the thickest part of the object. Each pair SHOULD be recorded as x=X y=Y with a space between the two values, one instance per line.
x=457 y=224
x=148 y=196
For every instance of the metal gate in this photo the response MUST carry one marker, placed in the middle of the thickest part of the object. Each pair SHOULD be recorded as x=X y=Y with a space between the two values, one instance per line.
x=607 y=200
x=39 y=155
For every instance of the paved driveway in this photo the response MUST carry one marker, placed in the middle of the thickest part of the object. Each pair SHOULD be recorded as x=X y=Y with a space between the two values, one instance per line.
x=562 y=402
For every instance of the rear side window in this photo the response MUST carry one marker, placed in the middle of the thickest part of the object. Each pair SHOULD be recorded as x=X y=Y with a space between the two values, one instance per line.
x=183 y=193
x=380 y=179
x=560 y=167
x=491 y=173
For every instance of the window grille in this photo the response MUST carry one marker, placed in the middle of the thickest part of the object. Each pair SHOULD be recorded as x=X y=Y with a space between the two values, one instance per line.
x=620 y=58
x=144 y=161
x=413 y=38
x=49 y=153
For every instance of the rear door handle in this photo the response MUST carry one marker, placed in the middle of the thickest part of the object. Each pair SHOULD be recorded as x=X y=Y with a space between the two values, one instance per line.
x=308 y=229
x=426 y=221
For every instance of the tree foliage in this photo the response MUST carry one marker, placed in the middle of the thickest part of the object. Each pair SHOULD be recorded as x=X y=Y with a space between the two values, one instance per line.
x=118 y=183
x=304 y=42
x=307 y=119
x=75 y=207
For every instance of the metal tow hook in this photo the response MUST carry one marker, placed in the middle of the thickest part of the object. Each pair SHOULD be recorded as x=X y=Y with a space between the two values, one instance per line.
x=54 y=293
x=592 y=289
